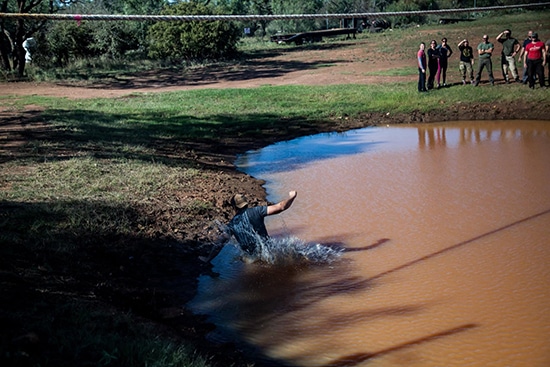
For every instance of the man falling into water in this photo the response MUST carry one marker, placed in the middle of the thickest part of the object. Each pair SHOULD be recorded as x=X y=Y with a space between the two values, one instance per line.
x=248 y=226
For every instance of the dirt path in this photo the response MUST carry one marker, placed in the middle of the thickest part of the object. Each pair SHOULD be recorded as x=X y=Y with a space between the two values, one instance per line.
x=322 y=65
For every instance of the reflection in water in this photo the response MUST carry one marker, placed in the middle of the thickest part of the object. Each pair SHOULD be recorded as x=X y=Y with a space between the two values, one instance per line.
x=445 y=229
x=429 y=136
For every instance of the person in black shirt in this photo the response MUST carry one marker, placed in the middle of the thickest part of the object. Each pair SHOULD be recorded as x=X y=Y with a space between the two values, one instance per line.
x=247 y=226
x=433 y=63
x=466 y=64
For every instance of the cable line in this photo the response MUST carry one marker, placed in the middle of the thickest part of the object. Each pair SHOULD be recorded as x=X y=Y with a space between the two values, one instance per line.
x=194 y=18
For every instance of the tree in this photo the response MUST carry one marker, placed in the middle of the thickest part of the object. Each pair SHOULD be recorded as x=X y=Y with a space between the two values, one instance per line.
x=262 y=7
x=192 y=41
x=291 y=7
x=14 y=32
x=412 y=5
x=67 y=41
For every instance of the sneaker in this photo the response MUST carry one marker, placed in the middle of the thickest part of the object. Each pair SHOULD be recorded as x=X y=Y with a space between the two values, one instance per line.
x=476 y=83
x=517 y=79
x=492 y=83
x=507 y=81
x=463 y=82
x=473 y=82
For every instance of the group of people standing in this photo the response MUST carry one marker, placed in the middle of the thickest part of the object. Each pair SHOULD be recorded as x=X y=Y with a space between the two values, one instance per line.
x=532 y=52
x=435 y=59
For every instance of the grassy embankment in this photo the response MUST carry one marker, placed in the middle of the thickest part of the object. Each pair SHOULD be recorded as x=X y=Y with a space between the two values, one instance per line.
x=83 y=188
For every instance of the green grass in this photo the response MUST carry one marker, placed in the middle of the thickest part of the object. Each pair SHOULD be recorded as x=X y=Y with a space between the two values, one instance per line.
x=395 y=72
x=208 y=113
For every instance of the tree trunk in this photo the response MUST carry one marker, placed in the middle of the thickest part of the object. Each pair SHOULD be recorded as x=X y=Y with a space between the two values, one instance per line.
x=19 y=51
x=5 y=49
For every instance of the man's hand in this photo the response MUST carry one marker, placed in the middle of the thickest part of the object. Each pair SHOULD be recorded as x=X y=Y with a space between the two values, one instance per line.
x=282 y=205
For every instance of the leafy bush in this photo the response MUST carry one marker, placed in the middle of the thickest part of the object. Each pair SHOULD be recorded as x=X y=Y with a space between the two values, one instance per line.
x=65 y=42
x=192 y=41
x=411 y=5
x=62 y=43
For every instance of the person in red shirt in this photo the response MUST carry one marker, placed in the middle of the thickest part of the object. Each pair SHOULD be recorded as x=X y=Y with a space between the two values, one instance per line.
x=534 y=59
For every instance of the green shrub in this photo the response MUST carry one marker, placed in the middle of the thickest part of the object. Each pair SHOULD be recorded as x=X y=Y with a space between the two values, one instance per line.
x=192 y=41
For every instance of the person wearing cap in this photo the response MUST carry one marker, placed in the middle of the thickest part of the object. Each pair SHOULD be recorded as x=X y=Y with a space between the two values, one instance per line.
x=534 y=59
x=466 y=61
x=248 y=226
x=510 y=47
x=485 y=51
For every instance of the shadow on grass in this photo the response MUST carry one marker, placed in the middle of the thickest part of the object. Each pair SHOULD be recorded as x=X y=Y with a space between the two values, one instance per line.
x=180 y=140
x=77 y=287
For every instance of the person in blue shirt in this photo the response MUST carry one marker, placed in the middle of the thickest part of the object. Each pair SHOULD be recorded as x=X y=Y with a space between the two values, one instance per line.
x=248 y=226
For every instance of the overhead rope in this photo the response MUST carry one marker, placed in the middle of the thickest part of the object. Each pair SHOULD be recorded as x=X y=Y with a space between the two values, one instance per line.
x=193 y=18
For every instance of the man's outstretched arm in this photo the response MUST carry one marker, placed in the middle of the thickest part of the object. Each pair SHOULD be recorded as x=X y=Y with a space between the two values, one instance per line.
x=282 y=205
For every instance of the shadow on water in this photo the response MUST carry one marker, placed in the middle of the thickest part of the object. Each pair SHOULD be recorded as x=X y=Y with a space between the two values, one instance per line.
x=269 y=306
x=248 y=300
x=261 y=306
x=378 y=243
x=460 y=244
x=356 y=359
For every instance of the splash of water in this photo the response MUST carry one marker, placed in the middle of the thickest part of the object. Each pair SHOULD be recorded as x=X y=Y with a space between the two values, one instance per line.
x=283 y=250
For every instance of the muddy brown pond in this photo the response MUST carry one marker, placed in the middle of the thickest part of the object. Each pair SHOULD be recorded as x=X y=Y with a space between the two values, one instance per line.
x=446 y=230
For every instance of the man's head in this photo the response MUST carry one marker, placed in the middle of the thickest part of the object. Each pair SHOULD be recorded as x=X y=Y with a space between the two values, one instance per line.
x=239 y=201
x=485 y=38
x=508 y=33
x=534 y=37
